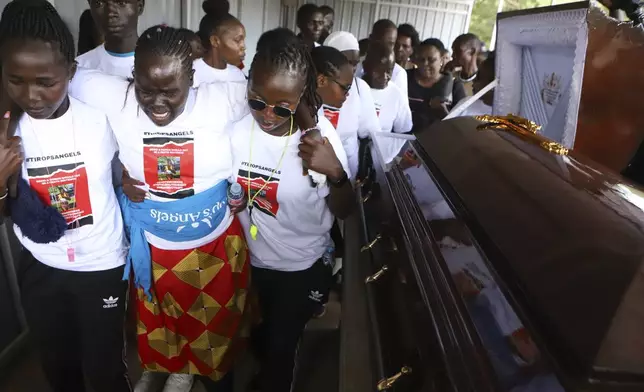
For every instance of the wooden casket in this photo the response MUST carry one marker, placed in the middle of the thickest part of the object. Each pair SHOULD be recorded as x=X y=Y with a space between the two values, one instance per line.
x=486 y=258
x=576 y=72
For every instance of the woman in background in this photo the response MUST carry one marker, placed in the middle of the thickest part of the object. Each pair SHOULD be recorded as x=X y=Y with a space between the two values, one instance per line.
x=224 y=40
x=89 y=35
x=357 y=118
x=358 y=113
x=406 y=41
x=431 y=93
x=334 y=81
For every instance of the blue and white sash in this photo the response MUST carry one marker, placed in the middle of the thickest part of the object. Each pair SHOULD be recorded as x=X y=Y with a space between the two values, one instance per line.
x=181 y=220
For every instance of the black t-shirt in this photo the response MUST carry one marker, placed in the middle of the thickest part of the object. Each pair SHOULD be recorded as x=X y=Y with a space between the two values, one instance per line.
x=420 y=96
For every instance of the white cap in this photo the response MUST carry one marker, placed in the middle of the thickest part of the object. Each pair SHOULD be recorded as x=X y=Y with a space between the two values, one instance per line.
x=342 y=40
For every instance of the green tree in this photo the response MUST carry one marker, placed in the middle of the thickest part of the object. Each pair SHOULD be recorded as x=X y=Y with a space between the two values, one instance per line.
x=484 y=14
x=483 y=19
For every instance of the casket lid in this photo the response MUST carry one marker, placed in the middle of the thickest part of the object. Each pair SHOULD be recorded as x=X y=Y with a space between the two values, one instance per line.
x=565 y=234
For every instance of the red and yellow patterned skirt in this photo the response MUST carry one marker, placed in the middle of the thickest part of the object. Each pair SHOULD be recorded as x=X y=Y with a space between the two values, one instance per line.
x=198 y=321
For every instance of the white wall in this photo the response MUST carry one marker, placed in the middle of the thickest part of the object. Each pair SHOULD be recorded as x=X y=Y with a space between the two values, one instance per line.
x=444 y=19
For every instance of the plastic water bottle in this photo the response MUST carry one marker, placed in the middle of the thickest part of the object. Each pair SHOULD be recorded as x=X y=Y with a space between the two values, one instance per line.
x=235 y=195
x=328 y=258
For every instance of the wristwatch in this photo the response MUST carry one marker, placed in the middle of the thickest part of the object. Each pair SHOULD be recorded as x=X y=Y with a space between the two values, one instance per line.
x=339 y=183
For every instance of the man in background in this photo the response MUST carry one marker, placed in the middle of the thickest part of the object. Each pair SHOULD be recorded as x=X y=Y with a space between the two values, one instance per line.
x=485 y=76
x=385 y=33
x=310 y=22
x=119 y=22
x=329 y=16
x=465 y=52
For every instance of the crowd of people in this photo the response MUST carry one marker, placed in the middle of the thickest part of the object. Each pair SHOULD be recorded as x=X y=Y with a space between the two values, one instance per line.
x=143 y=137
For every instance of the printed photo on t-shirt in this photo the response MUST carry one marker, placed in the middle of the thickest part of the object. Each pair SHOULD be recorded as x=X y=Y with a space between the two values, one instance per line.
x=169 y=168
x=332 y=114
x=64 y=188
x=169 y=164
x=62 y=197
x=261 y=186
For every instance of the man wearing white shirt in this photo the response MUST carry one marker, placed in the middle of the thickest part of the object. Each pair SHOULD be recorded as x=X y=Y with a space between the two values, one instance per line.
x=119 y=21
x=386 y=32
x=391 y=107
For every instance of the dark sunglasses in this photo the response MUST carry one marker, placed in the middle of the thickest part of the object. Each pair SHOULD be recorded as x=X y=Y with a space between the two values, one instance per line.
x=344 y=87
x=259 y=105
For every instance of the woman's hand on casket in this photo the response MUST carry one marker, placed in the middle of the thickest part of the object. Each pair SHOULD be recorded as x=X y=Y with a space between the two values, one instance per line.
x=131 y=189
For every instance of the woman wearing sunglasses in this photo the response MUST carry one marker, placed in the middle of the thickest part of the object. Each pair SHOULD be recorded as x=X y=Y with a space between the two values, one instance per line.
x=287 y=219
x=335 y=80
x=188 y=252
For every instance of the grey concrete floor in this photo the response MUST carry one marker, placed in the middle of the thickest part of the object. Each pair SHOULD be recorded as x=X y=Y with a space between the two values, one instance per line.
x=317 y=364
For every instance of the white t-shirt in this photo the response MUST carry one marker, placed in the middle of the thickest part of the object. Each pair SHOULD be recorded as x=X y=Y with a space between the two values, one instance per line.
x=369 y=121
x=67 y=162
x=292 y=217
x=357 y=117
x=188 y=156
x=393 y=111
x=111 y=64
x=398 y=77
x=204 y=73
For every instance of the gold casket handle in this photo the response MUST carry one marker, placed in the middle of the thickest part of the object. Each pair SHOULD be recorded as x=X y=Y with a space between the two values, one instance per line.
x=387 y=383
x=522 y=127
x=371 y=244
x=367 y=197
x=377 y=275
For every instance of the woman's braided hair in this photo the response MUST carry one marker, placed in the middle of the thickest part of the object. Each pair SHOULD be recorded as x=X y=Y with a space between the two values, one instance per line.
x=161 y=40
x=328 y=60
x=280 y=50
x=38 y=20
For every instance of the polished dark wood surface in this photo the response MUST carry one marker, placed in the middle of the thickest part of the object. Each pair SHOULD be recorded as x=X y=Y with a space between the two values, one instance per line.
x=566 y=238
x=610 y=124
